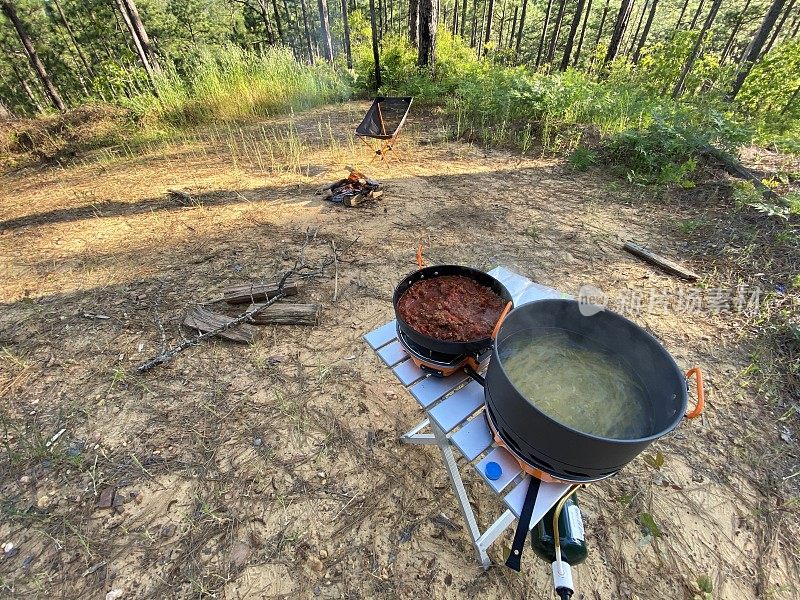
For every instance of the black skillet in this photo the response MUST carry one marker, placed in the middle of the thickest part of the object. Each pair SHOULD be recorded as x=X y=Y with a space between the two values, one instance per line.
x=446 y=346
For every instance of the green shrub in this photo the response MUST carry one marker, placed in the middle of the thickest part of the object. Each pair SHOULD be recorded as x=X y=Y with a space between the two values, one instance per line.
x=582 y=158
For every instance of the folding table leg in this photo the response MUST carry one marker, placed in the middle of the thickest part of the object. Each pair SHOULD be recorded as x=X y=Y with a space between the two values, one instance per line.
x=495 y=529
x=413 y=436
x=461 y=494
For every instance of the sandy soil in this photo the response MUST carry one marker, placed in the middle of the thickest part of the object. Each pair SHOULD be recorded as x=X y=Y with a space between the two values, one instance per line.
x=274 y=470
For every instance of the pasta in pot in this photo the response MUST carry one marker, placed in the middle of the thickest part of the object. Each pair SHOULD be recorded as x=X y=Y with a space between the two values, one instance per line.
x=578 y=383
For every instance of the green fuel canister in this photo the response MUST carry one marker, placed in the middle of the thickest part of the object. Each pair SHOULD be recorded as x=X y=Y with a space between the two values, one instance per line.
x=570 y=533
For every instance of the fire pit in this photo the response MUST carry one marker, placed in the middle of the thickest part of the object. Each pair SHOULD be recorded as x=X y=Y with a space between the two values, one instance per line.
x=353 y=190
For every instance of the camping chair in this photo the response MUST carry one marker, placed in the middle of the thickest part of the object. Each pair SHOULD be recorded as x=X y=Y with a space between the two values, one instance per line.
x=382 y=123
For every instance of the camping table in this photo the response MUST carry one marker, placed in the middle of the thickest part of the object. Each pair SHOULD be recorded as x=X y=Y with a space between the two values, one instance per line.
x=454 y=413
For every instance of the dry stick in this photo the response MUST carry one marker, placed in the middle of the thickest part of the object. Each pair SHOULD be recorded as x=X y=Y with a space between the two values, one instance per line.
x=299 y=265
x=336 y=272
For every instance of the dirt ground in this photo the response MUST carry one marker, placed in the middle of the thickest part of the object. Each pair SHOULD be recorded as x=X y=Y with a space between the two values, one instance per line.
x=274 y=470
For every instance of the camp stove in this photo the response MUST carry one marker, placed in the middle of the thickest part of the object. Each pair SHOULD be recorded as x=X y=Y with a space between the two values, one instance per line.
x=531 y=467
x=440 y=364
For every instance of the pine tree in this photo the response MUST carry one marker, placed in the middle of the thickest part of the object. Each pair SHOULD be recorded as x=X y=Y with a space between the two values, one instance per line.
x=7 y=8
x=521 y=27
x=573 y=30
x=695 y=53
x=346 y=27
x=756 y=45
x=551 y=51
x=375 y=54
x=619 y=29
x=428 y=18
x=543 y=36
x=648 y=24
x=413 y=21
x=583 y=33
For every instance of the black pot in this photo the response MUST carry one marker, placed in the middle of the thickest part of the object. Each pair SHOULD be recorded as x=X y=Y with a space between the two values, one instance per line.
x=557 y=449
x=446 y=346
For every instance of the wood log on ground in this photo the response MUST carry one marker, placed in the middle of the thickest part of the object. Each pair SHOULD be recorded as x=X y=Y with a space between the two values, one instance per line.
x=204 y=320
x=287 y=314
x=252 y=292
x=351 y=201
x=737 y=169
x=663 y=263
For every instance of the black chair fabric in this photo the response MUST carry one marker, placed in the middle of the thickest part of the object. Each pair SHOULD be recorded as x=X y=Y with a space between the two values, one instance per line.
x=393 y=112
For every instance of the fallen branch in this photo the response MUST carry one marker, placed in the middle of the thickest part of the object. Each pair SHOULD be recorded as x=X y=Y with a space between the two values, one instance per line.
x=300 y=269
x=286 y=314
x=204 y=320
x=737 y=169
x=663 y=263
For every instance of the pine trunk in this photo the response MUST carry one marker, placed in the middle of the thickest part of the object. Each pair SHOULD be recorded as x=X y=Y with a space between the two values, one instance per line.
x=754 y=50
x=729 y=44
x=413 y=21
x=325 y=30
x=489 y=16
x=600 y=31
x=375 y=53
x=513 y=28
x=77 y=47
x=683 y=12
x=482 y=28
x=454 y=27
x=635 y=37
x=583 y=33
x=543 y=37
x=307 y=32
x=698 y=46
x=619 y=29
x=473 y=40
x=551 y=51
x=463 y=17
x=8 y=10
x=573 y=30
x=645 y=33
x=427 y=33
x=779 y=27
x=502 y=26
x=137 y=43
x=267 y=25
x=521 y=27
x=278 y=24
x=795 y=26
x=346 y=26
x=697 y=14
x=141 y=32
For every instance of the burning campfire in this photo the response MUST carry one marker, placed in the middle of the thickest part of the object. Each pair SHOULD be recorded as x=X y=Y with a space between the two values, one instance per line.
x=354 y=190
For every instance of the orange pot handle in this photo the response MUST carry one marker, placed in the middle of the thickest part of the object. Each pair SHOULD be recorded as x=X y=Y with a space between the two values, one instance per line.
x=501 y=319
x=701 y=398
x=420 y=261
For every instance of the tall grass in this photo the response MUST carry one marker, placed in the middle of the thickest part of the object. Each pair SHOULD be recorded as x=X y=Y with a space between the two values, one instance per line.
x=232 y=84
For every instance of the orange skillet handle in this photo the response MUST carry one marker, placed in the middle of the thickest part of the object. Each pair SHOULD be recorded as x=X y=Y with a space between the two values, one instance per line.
x=420 y=261
x=501 y=319
x=701 y=399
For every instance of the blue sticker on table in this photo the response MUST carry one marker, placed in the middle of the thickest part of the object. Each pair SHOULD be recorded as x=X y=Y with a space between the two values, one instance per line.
x=493 y=471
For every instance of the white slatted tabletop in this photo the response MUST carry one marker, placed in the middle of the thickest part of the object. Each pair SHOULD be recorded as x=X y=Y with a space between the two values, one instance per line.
x=455 y=404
